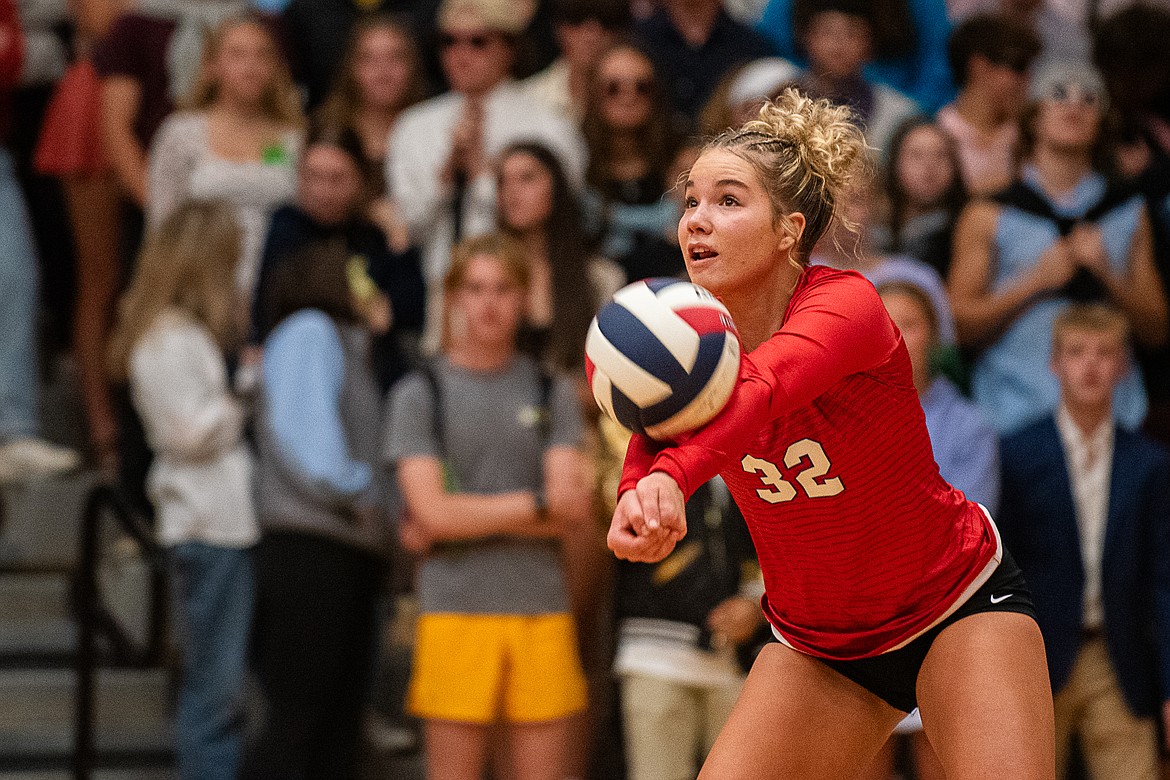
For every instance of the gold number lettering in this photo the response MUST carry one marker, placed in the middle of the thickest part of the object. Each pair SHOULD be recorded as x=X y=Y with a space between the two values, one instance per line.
x=770 y=475
x=810 y=478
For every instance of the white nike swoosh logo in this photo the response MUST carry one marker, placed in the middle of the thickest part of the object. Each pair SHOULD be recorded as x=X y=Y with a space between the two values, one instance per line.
x=1005 y=597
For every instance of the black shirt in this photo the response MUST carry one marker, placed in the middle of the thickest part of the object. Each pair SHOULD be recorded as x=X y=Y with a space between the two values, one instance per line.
x=691 y=74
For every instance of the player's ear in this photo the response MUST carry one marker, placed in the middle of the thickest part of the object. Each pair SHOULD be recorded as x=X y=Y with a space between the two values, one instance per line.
x=791 y=228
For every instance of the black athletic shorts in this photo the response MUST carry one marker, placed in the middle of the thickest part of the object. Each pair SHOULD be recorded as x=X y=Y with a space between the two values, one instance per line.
x=893 y=676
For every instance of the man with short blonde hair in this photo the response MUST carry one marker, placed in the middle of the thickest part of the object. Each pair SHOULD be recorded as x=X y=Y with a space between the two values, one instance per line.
x=1086 y=511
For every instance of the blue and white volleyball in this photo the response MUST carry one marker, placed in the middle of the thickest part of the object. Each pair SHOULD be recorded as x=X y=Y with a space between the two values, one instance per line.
x=662 y=357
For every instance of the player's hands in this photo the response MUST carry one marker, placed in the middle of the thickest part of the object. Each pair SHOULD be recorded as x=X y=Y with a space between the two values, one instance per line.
x=649 y=520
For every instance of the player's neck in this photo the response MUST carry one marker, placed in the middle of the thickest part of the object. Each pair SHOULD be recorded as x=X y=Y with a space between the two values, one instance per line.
x=756 y=316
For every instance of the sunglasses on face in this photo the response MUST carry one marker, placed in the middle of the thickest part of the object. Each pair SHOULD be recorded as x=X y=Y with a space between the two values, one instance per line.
x=640 y=87
x=1073 y=93
x=477 y=41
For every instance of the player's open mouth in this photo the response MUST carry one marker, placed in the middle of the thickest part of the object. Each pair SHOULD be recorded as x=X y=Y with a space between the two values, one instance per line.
x=702 y=253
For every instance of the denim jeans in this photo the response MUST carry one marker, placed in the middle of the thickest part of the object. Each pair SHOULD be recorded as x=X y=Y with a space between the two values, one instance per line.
x=215 y=597
x=18 y=310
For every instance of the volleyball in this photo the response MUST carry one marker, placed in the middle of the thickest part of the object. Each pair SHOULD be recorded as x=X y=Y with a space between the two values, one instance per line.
x=662 y=357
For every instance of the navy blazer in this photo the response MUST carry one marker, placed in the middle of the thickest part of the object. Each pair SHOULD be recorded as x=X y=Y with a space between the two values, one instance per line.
x=1039 y=528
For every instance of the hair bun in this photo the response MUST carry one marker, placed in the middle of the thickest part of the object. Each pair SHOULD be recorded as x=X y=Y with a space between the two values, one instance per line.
x=825 y=136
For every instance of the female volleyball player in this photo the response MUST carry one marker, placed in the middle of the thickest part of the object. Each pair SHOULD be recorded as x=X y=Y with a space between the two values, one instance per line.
x=886 y=588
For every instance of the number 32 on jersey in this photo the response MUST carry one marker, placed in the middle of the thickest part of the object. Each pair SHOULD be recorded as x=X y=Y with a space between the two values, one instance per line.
x=811 y=479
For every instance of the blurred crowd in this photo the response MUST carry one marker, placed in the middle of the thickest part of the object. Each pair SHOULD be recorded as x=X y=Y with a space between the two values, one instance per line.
x=324 y=269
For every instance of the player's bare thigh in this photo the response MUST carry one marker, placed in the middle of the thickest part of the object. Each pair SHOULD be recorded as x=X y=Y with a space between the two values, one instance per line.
x=797 y=718
x=985 y=699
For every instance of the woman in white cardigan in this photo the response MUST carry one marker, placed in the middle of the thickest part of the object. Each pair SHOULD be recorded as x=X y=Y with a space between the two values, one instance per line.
x=175 y=322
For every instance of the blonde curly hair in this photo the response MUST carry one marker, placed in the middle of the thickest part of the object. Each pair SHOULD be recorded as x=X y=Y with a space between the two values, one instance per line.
x=809 y=154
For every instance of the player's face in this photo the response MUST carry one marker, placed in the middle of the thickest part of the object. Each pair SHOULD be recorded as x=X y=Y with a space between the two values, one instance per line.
x=490 y=302
x=1089 y=364
x=382 y=68
x=730 y=240
x=525 y=192
x=330 y=184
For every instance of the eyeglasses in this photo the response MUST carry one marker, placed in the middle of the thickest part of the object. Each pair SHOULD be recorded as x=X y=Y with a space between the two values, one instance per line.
x=479 y=41
x=1073 y=92
x=640 y=87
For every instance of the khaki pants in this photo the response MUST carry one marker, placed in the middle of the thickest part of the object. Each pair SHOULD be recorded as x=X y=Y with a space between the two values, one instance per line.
x=669 y=726
x=1117 y=745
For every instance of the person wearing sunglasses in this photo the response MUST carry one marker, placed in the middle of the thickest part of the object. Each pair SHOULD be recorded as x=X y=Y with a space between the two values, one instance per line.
x=442 y=151
x=631 y=142
x=989 y=56
x=1062 y=233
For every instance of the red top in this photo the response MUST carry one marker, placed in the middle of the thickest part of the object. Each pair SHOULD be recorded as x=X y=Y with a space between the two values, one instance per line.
x=824 y=446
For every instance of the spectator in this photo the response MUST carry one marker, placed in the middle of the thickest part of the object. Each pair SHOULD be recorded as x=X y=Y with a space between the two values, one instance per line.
x=237 y=138
x=990 y=57
x=70 y=149
x=627 y=127
x=909 y=44
x=743 y=90
x=148 y=61
x=659 y=254
x=379 y=78
x=175 y=322
x=334 y=206
x=681 y=622
x=693 y=44
x=566 y=284
x=839 y=38
x=1061 y=233
x=1061 y=37
x=442 y=151
x=585 y=29
x=1085 y=508
x=148 y=58
x=965 y=446
x=487 y=454
x=1130 y=49
x=924 y=192
x=320 y=34
x=22 y=453
x=319 y=499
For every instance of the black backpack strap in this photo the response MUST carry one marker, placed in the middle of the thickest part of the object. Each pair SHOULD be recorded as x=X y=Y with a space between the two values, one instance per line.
x=438 y=421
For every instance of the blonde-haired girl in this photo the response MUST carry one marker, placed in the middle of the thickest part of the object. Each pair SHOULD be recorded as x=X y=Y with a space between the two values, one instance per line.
x=235 y=138
x=174 y=324
x=887 y=589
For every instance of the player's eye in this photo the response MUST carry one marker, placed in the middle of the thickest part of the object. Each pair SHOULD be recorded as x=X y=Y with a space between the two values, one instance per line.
x=690 y=202
x=729 y=200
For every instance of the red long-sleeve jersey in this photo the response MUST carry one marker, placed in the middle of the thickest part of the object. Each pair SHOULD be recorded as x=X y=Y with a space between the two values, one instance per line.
x=823 y=444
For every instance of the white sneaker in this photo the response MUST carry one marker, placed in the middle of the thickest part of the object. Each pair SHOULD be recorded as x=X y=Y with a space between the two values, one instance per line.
x=29 y=458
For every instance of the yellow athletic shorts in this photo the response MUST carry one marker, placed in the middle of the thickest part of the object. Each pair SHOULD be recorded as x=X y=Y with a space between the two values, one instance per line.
x=483 y=668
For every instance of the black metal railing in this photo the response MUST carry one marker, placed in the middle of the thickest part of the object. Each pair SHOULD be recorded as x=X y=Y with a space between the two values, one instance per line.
x=103 y=639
